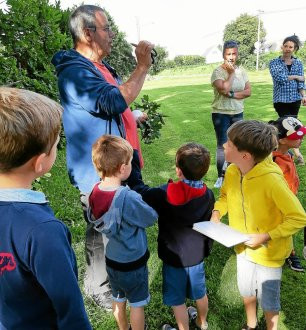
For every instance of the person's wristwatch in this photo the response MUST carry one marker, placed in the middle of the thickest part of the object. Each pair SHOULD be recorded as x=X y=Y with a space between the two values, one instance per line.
x=231 y=94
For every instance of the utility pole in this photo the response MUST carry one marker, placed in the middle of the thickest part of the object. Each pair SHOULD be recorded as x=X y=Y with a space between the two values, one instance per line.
x=257 y=44
x=138 y=28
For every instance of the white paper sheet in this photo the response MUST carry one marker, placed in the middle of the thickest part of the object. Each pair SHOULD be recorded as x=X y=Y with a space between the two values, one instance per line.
x=221 y=233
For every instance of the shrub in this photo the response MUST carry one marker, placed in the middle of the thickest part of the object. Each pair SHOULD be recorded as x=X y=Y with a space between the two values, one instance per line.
x=184 y=60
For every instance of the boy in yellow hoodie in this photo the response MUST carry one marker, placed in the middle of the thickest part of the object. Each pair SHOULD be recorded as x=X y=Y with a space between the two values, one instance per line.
x=258 y=202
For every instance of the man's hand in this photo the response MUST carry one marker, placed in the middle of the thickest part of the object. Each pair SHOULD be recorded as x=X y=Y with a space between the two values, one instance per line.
x=304 y=100
x=215 y=216
x=143 y=54
x=257 y=239
x=229 y=67
x=143 y=117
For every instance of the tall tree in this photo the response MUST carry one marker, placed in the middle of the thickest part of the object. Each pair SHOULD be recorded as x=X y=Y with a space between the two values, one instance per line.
x=160 y=60
x=244 y=30
x=121 y=57
x=31 y=32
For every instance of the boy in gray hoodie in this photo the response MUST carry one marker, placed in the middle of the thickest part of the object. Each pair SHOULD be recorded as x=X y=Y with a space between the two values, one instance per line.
x=122 y=216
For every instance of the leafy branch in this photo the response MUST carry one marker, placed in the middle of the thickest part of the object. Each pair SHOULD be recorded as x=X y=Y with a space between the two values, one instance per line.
x=150 y=129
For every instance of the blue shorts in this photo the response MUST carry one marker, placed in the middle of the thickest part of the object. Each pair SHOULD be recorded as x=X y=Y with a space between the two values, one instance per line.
x=182 y=283
x=132 y=286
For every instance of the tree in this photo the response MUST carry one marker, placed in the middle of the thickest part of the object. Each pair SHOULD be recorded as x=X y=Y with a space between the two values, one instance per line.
x=121 y=57
x=244 y=31
x=160 y=60
x=31 y=33
x=302 y=53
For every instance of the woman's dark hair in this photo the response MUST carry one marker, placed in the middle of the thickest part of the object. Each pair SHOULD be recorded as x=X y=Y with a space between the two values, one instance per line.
x=229 y=44
x=295 y=39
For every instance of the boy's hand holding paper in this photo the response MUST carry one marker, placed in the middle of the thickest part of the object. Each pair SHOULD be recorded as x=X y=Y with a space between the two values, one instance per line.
x=257 y=239
x=221 y=233
x=215 y=216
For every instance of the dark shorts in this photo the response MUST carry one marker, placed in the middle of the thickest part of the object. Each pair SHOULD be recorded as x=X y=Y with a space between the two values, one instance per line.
x=132 y=286
x=287 y=109
x=182 y=283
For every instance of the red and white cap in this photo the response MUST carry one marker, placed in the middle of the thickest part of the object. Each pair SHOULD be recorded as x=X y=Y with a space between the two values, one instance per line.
x=291 y=128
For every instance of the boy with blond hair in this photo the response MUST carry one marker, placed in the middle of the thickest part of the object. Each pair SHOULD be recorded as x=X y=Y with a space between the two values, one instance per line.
x=122 y=216
x=38 y=270
x=179 y=205
x=258 y=202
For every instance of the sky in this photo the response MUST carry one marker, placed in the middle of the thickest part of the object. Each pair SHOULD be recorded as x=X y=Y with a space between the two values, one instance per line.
x=191 y=26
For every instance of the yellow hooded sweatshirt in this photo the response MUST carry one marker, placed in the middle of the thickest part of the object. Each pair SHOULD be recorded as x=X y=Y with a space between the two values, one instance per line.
x=261 y=202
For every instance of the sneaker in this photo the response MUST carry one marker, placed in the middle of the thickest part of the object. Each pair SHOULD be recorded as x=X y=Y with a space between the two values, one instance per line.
x=167 y=327
x=300 y=160
x=246 y=327
x=294 y=263
x=218 y=183
x=192 y=313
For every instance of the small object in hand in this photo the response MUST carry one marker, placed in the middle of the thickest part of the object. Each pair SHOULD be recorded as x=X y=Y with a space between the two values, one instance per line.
x=137 y=114
x=153 y=53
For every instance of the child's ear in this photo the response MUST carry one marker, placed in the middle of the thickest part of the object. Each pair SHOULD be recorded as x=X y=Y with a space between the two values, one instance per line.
x=247 y=156
x=38 y=163
x=179 y=173
x=282 y=141
x=122 y=168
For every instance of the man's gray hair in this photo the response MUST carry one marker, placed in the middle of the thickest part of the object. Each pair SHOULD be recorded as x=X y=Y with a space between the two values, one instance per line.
x=81 y=18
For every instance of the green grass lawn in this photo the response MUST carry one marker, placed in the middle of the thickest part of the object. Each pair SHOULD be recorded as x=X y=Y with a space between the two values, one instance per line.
x=186 y=100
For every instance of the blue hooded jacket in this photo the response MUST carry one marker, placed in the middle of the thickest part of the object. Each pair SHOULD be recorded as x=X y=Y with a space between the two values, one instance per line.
x=92 y=107
x=124 y=225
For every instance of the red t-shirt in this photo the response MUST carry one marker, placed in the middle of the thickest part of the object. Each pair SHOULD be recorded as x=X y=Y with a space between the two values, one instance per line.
x=129 y=121
x=100 y=201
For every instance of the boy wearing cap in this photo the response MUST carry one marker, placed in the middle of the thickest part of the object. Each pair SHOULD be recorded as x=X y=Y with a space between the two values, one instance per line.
x=290 y=135
x=259 y=203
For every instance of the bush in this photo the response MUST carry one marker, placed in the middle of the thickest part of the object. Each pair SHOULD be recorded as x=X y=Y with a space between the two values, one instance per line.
x=159 y=60
x=150 y=129
x=31 y=32
x=265 y=59
x=302 y=54
x=185 y=60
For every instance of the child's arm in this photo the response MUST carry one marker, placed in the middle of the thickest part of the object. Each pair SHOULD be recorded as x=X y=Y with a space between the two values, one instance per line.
x=215 y=216
x=152 y=196
x=294 y=217
x=257 y=239
x=137 y=212
x=220 y=208
x=53 y=263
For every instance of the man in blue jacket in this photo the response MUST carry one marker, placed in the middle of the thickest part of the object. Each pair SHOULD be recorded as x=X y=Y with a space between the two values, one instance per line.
x=94 y=104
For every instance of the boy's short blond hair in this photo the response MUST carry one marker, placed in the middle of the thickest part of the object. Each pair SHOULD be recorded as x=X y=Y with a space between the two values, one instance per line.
x=255 y=137
x=193 y=160
x=29 y=125
x=109 y=152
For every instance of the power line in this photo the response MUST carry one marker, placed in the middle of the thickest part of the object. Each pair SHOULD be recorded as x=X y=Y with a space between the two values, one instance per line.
x=262 y=12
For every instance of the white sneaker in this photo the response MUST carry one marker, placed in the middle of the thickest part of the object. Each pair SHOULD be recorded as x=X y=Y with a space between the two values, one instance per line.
x=218 y=183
